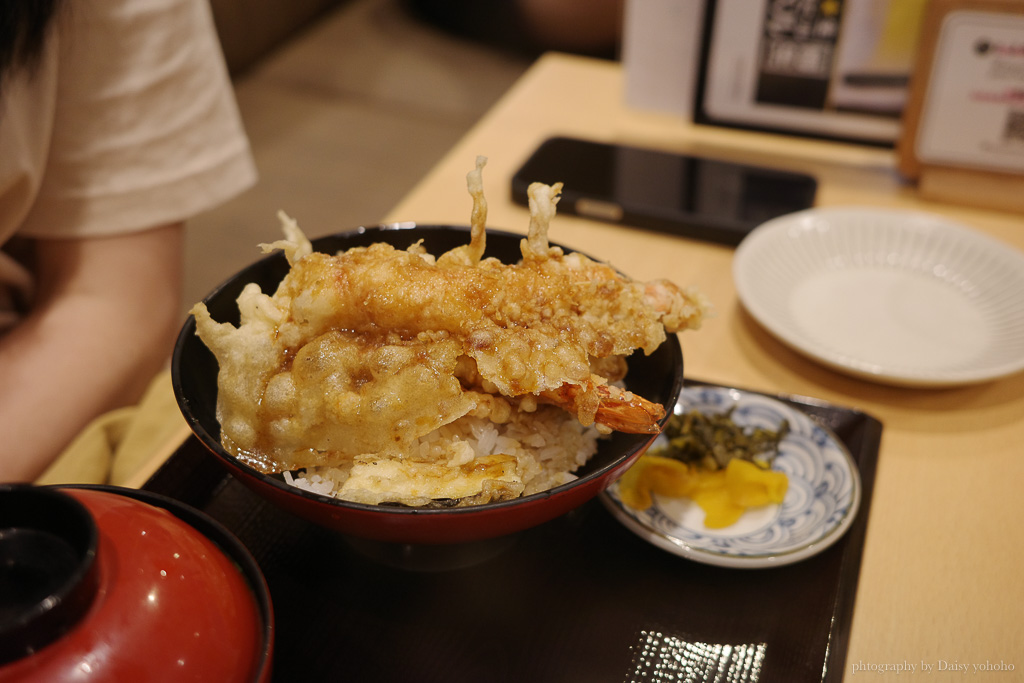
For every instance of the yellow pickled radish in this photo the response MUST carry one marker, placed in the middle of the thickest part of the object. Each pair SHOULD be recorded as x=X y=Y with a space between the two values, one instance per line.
x=632 y=490
x=720 y=510
x=668 y=477
x=751 y=485
x=655 y=474
x=724 y=495
x=710 y=479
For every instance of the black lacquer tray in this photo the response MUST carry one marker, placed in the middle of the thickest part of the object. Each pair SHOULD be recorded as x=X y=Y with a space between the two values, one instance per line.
x=577 y=599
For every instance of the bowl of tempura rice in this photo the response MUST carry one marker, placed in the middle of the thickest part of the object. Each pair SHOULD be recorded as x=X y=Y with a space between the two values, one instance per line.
x=431 y=384
x=657 y=377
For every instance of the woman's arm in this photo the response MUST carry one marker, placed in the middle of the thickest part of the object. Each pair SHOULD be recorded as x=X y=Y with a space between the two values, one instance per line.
x=102 y=325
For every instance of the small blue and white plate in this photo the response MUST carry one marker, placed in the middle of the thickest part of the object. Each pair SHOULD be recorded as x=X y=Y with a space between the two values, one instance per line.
x=820 y=504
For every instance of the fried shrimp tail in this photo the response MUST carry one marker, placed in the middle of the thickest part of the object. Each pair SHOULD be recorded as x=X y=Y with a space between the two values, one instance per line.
x=614 y=408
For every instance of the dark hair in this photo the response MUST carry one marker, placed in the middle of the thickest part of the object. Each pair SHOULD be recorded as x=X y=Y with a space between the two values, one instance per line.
x=23 y=27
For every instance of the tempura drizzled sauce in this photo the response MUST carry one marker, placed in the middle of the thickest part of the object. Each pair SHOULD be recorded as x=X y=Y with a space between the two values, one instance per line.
x=351 y=369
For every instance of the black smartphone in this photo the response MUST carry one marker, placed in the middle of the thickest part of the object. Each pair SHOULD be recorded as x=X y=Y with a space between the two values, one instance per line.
x=698 y=197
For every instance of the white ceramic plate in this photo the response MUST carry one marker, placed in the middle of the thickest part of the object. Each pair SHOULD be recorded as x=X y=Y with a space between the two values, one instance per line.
x=820 y=504
x=897 y=297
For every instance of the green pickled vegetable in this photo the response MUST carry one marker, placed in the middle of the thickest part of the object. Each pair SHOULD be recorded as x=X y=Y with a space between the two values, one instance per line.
x=711 y=441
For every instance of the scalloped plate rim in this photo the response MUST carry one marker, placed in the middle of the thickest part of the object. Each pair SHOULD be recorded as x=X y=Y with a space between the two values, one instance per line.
x=896 y=219
x=714 y=557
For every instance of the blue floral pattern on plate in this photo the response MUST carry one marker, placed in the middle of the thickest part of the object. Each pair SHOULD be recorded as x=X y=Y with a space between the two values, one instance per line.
x=820 y=504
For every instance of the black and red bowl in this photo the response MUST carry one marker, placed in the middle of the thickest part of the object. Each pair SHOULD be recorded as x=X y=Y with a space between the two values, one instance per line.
x=657 y=377
x=103 y=583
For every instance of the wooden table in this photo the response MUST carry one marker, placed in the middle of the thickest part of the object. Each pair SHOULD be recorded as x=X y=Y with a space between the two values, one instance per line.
x=941 y=579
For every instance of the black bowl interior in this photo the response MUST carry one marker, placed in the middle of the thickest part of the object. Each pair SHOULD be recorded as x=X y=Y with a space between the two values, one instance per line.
x=657 y=377
x=48 y=580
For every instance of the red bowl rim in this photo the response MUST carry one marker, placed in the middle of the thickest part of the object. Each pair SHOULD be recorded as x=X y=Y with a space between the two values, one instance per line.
x=212 y=443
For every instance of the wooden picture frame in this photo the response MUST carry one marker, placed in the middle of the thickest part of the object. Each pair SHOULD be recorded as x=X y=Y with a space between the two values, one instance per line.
x=963 y=127
x=743 y=85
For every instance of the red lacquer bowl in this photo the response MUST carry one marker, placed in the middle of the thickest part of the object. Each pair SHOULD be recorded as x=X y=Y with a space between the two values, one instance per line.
x=109 y=584
x=658 y=377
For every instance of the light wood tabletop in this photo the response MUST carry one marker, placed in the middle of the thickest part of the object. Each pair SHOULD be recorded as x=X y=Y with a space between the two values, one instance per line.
x=940 y=580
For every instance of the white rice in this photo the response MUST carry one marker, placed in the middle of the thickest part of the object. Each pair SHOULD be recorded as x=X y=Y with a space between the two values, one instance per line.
x=548 y=444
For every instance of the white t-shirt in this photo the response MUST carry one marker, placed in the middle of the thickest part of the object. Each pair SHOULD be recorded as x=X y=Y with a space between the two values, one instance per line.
x=127 y=122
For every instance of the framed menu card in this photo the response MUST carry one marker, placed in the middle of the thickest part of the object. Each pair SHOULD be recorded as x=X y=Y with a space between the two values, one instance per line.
x=835 y=69
x=963 y=128
x=832 y=68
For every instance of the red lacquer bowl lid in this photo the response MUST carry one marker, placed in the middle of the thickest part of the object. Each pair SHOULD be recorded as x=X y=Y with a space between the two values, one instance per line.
x=109 y=584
